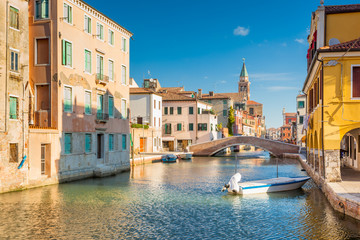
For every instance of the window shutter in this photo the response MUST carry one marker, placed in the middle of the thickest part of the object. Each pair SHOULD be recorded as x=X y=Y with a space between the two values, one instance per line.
x=13 y=108
x=45 y=9
x=68 y=54
x=356 y=82
x=63 y=52
x=111 y=106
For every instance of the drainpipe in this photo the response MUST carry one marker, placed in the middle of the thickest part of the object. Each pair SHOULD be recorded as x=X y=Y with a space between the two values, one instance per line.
x=322 y=116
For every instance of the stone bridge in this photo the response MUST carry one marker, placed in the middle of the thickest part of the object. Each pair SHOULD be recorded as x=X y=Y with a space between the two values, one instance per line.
x=276 y=148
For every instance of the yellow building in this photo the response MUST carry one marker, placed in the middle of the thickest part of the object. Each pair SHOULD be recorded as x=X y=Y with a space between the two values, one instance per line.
x=332 y=87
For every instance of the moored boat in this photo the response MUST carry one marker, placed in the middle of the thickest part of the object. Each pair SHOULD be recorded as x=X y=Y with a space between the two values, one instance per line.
x=168 y=158
x=264 y=186
x=185 y=156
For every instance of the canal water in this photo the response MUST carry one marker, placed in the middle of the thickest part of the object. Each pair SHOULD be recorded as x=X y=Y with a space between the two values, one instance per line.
x=175 y=201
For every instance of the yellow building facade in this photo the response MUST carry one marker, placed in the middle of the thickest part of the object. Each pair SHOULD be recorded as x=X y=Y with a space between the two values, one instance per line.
x=332 y=88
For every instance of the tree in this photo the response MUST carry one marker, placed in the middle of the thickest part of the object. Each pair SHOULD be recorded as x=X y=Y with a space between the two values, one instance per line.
x=231 y=120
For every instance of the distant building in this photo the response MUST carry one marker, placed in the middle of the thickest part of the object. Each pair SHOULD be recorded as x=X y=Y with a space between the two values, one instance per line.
x=288 y=130
x=273 y=133
x=301 y=114
x=14 y=94
x=146 y=120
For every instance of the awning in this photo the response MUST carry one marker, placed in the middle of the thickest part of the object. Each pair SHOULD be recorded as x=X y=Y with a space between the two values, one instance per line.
x=303 y=139
x=168 y=139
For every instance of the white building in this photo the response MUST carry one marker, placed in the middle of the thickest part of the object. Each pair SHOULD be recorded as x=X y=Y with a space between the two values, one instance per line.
x=301 y=112
x=146 y=119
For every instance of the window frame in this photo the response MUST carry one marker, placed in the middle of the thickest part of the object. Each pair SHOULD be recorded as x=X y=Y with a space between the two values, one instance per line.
x=123 y=79
x=352 y=82
x=15 y=51
x=71 y=147
x=17 y=153
x=17 y=107
x=99 y=56
x=113 y=106
x=171 y=111
x=35 y=90
x=123 y=44
x=69 y=16
x=89 y=51
x=112 y=79
x=35 y=46
x=72 y=99
x=111 y=136
x=122 y=115
x=124 y=137
x=298 y=105
x=48 y=10
x=178 y=110
x=64 y=41
x=111 y=41
x=191 y=126
x=166 y=110
x=90 y=92
x=89 y=30
x=179 y=127
x=90 y=150
x=18 y=18
x=192 y=110
x=98 y=34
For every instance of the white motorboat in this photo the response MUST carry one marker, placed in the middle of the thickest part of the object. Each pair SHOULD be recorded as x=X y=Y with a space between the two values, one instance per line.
x=264 y=186
x=185 y=156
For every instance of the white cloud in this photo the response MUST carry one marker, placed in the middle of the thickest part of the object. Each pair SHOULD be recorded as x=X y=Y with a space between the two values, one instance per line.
x=241 y=31
x=206 y=77
x=284 y=44
x=281 y=88
x=300 y=40
x=272 y=77
x=223 y=81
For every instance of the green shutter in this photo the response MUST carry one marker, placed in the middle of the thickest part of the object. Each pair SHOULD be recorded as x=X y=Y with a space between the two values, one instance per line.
x=166 y=128
x=87 y=142
x=87 y=102
x=191 y=110
x=86 y=61
x=63 y=52
x=67 y=143
x=124 y=142
x=13 y=108
x=70 y=14
x=111 y=106
x=68 y=54
x=111 y=142
x=67 y=99
x=165 y=110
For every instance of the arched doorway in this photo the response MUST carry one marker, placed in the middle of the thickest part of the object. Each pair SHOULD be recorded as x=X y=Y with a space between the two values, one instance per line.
x=349 y=149
x=316 y=152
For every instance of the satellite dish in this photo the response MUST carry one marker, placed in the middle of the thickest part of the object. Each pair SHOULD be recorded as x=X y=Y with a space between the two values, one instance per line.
x=333 y=41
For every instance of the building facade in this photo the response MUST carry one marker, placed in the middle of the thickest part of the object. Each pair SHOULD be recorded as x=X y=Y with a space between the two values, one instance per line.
x=146 y=112
x=79 y=77
x=14 y=95
x=332 y=89
x=301 y=115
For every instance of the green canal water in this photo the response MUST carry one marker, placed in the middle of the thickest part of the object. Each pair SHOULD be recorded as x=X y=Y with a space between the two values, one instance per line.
x=175 y=201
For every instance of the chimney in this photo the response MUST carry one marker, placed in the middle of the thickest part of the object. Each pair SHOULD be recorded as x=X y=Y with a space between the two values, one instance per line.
x=200 y=93
x=211 y=93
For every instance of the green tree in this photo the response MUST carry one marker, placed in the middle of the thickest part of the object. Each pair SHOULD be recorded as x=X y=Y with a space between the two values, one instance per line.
x=231 y=120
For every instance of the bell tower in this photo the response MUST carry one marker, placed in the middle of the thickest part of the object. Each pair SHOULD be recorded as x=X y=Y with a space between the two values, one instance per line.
x=244 y=84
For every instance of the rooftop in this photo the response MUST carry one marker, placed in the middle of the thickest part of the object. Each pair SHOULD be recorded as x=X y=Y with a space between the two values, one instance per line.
x=353 y=45
x=172 y=89
x=342 y=8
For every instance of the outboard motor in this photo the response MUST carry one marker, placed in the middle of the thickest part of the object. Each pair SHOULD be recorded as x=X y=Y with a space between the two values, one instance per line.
x=233 y=185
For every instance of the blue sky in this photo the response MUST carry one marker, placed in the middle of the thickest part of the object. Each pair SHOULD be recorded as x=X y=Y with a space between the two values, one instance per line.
x=201 y=43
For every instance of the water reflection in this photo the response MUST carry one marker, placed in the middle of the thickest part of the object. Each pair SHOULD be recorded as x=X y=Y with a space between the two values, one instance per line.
x=175 y=201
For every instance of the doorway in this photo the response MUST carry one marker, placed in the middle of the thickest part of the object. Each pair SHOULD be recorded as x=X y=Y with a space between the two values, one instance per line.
x=100 y=145
x=142 y=144
x=45 y=165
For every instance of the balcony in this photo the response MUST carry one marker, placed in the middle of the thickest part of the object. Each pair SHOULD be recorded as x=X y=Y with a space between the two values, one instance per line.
x=101 y=79
x=102 y=117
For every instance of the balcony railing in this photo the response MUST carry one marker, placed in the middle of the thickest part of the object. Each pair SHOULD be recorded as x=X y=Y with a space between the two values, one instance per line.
x=101 y=79
x=102 y=117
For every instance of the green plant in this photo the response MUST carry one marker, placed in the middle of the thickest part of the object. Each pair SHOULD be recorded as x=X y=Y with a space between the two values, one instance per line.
x=231 y=120
x=135 y=125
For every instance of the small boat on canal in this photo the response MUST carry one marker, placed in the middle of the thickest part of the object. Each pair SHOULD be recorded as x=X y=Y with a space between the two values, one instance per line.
x=169 y=158
x=185 y=156
x=278 y=184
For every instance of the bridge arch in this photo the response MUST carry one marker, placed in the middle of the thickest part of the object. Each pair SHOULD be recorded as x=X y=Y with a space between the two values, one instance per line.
x=276 y=148
x=214 y=153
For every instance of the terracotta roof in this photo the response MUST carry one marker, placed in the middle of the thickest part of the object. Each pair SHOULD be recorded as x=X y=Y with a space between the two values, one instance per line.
x=216 y=96
x=342 y=8
x=234 y=96
x=290 y=114
x=141 y=91
x=300 y=95
x=353 y=44
x=171 y=96
x=250 y=102
x=172 y=89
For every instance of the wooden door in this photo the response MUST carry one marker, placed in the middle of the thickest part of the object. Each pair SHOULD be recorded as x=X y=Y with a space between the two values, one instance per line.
x=142 y=144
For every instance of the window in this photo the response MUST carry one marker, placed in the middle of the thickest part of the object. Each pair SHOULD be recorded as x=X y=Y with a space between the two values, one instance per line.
x=67 y=99
x=67 y=13
x=224 y=101
x=123 y=44
x=159 y=105
x=100 y=67
x=154 y=121
x=191 y=127
x=191 y=110
x=251 y=111
x=301 y=104
x=111 y=142
x=171 y=110
x=179 y=110
x=14 y=61
x=87 y=102
x=111 y=106
x=167 y=128
x=224 y=113
x=111 y=70
x=199 y=111
x=43 y=159
x=289 y=120
x=87 y=24
x=42 y=9
x=301 y=119
x=14 y=18
x=124 y=142
x=159 y=122
x=123 y=109
x=165 y=110
x=66 y=53
x=111 y=37
x=356 y=82
x=202 y=126
x=154 y=104
x=42 y=51
x=123 y=74
x=87 y=61
x=178 y=127
x=67 y=143
x=13 y=153
x=100 y=105
x=88 y=142
x=99 y=31
x=14 y=106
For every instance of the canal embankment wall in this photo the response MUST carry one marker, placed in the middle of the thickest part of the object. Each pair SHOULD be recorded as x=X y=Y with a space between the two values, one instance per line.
x=338 y=197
